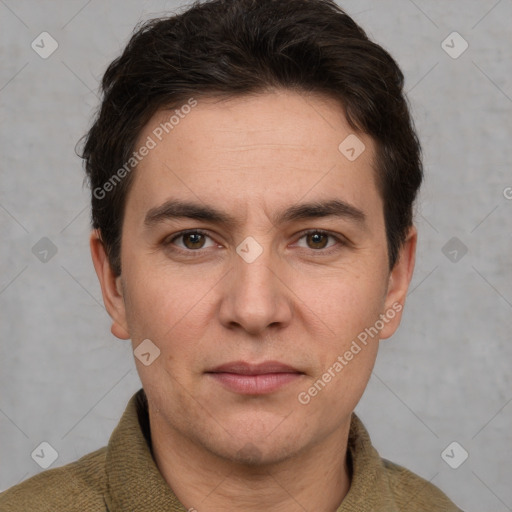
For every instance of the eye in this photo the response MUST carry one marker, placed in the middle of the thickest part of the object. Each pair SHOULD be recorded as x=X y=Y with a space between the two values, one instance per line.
x=317 y=239
x=194 y=240
x=191 y=240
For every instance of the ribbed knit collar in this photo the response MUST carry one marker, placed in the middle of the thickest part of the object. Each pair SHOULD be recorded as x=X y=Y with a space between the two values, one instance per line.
x=134 y=482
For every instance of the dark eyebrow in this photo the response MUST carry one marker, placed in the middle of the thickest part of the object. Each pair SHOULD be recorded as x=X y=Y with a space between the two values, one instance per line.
x=175 y=209
x=318 y=209
x=180 y=209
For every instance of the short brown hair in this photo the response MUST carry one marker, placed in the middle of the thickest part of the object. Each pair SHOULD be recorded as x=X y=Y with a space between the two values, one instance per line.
x=236 y=47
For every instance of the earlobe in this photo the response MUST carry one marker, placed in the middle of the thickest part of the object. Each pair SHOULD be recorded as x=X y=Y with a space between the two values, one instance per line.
x=398 y=285
x=111 y=288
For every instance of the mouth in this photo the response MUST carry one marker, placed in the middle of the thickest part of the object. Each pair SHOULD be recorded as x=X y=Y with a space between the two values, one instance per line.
x=254 y=379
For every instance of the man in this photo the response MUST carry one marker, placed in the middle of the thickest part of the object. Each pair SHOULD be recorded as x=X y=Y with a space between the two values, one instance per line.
x=253 y=170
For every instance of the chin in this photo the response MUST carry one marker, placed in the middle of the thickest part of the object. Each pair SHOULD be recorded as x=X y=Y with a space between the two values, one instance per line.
x=258 y=451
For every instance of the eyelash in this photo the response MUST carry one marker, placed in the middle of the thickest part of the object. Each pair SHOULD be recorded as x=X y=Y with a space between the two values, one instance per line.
x=190 y=252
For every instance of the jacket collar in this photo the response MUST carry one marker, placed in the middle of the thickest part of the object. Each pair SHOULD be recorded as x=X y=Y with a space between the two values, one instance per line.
x=134 y=482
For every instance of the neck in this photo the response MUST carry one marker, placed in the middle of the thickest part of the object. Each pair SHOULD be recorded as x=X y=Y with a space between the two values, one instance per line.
x=318 y=478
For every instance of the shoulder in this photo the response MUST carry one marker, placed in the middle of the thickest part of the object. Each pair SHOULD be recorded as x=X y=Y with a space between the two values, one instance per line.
x=413 y=493
x=77 y=486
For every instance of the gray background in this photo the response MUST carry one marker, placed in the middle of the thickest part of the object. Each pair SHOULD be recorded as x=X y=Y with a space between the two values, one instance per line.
x=445 y=376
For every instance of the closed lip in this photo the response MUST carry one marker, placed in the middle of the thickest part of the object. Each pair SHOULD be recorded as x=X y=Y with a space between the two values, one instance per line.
x=245 y=368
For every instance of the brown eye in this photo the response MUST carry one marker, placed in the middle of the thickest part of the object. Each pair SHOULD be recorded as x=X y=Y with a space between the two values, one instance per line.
x=320 y=242
x=317 y=239
x=193 y=240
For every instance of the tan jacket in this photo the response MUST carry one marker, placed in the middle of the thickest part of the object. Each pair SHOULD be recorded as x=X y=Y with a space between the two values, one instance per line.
x=123 y=477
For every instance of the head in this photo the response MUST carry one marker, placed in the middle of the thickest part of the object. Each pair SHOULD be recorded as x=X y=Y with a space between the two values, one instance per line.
x=277 y=136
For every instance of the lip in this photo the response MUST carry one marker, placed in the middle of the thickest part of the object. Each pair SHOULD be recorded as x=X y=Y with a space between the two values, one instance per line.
x=254 y=379
x=243 y=368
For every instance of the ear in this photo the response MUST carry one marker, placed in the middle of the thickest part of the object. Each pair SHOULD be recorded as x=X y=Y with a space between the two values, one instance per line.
x=398 y=284
x=110 y=287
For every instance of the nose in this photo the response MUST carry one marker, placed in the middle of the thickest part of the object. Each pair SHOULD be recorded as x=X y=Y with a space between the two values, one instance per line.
x=255 y=295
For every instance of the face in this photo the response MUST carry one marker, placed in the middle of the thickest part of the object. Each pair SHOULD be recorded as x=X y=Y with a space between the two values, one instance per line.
x=254 y=258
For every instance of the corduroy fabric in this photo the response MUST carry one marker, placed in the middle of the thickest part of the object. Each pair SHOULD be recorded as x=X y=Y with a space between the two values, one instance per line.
x=123 y=477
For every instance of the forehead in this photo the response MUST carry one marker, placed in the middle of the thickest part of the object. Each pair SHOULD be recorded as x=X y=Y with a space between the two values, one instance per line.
x=267 y=149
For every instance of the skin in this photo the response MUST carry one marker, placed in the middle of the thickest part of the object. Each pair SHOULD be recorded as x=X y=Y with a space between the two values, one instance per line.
x=301 y=302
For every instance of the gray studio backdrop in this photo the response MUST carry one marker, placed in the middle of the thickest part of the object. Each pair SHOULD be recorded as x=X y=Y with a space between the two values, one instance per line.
x=441 y=389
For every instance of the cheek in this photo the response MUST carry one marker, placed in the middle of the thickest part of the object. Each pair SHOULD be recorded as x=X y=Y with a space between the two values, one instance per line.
x=171 y=320
x=336 y=390
x=342 y=306
x=162 y=298
x=345 y=343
